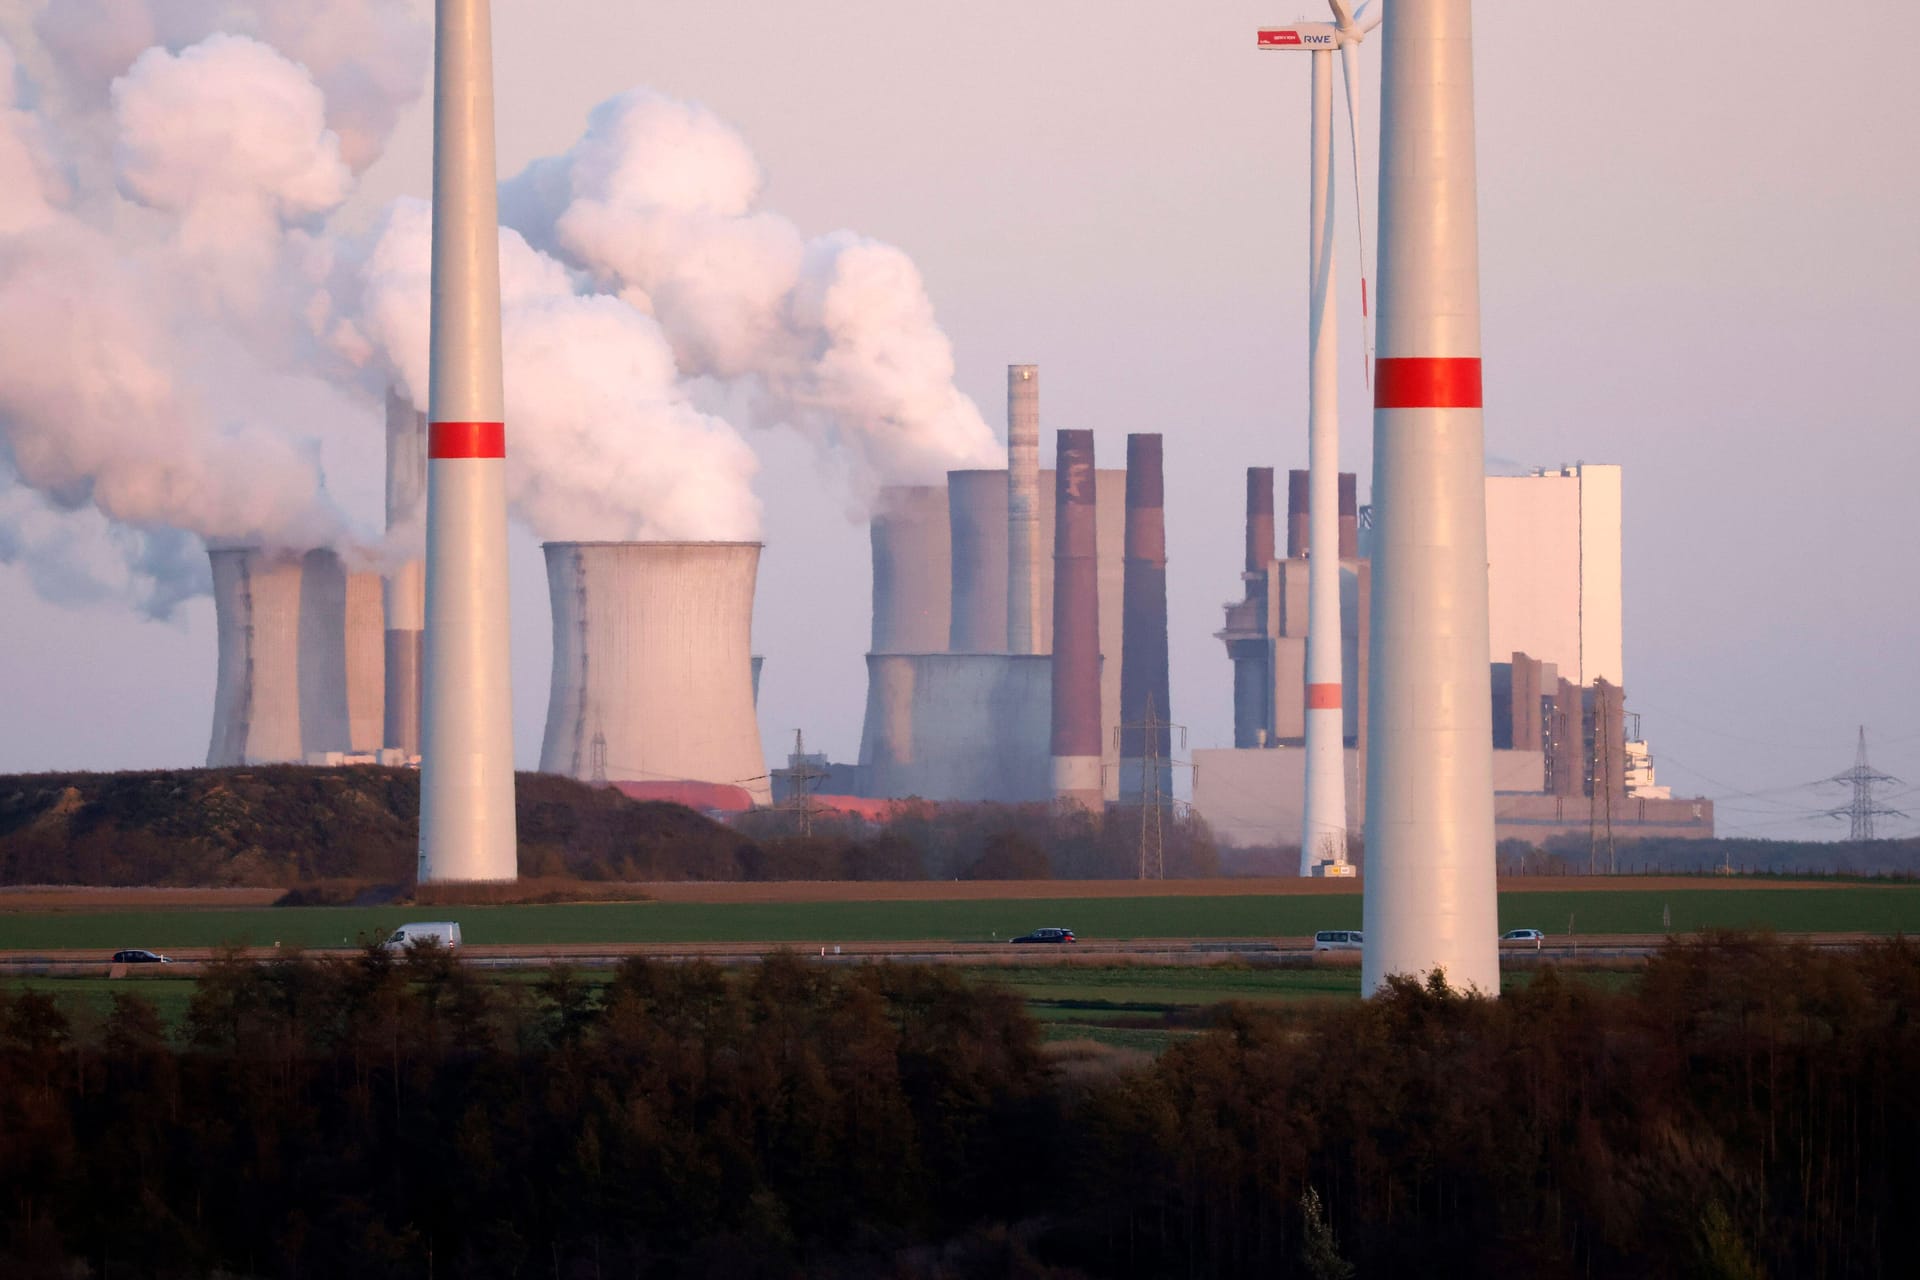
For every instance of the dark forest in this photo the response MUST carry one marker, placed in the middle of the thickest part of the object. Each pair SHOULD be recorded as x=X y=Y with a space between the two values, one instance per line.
x=1745 y=1109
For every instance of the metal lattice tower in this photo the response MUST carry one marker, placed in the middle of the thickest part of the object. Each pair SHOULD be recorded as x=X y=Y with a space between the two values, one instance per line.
x=1154 y=797
x=804 y=777
x=1864 y=808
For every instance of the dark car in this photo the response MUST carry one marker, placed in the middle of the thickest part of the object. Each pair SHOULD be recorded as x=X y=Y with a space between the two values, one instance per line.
x=1047 y=935
x=140 y=957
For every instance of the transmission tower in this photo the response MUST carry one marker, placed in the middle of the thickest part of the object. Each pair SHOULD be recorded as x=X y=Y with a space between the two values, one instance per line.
x=1864 y=808
x=1154 y=771
x=598 y=768
x=803 y=776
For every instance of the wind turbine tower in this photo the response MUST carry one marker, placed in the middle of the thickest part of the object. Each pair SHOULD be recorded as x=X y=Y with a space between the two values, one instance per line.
x=466 y=748
x=1323 y=837
x=1430 y=895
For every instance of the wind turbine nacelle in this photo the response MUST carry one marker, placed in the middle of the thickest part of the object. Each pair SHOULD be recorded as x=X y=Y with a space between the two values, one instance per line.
x=1301 y=35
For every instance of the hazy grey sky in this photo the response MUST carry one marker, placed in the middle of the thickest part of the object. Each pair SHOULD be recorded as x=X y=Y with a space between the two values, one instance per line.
x=1698 y=261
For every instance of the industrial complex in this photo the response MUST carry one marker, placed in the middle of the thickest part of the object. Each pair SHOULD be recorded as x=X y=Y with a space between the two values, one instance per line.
x=1442 y=654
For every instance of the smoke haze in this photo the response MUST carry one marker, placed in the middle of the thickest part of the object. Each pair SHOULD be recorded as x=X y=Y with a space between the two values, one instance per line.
x=191 y=353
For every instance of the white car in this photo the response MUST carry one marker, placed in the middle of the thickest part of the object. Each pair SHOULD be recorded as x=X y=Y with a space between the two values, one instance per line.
x=1337 y=940
x=429 y=933
x=1524 y=935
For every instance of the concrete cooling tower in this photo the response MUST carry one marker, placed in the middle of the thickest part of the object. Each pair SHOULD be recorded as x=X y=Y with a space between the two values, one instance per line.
x=912 y=571
x=296 y=675
x=958 y=726
x=406 y=585
x=652 y=669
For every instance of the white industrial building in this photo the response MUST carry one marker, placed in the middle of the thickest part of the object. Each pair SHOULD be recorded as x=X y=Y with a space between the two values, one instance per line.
x=1553 y=570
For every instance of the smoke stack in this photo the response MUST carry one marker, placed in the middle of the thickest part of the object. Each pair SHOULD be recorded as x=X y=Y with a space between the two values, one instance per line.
x=977 y=505
x=1259 y=519
x=1299 y=515
x=405 y=589
x=1023 y=508
x=1143 y=640
x=1430 y=894
x=280 y=688
x=466 y=738
x=1076 y=626
x=1349 y=516
x=652 y=664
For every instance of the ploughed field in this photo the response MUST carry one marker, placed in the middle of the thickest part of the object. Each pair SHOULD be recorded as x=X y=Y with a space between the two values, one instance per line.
x=877 y=916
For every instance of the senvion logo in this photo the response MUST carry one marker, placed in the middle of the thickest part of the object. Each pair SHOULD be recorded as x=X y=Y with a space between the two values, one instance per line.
x=1284 y=38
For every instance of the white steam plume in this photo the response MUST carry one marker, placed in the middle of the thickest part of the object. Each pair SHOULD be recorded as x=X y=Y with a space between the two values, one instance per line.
x=601 y=440
x=834 y=336
x=187 y=353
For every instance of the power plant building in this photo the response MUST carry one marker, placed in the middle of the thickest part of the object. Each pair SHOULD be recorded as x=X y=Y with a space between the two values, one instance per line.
x=1563 y=758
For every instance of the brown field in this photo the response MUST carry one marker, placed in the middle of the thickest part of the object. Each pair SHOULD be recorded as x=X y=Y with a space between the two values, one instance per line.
x=47 y=898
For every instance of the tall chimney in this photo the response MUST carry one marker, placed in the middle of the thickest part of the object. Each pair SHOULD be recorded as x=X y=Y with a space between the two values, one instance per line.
x=1076 y=627
x=1430 y=894
x=1349 y=516
x=1248 y=644
x=466 y=736
x=1299 y=514
x=1023 y=508
x=1259 y=519
x=1143 y=628
x=405 y=588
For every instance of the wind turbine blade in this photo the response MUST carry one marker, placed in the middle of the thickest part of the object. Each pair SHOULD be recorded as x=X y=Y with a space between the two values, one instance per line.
x=1368 y=16
x=1343 y=11
x=1350 y=73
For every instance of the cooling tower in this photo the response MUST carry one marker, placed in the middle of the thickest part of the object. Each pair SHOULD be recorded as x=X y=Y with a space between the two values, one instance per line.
x=957 y=727
x=405 y=590
x=1143 y=623
x=1430 y=893
x=467 y=823
x=280 y=691
x=365 y=662
x=652 y=667
x=1349 y=516
x=912 y=570
x=977 y=505
x=1076 y=738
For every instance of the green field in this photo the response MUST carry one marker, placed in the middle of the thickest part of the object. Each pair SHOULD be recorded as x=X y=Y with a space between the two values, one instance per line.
x=1871 y=909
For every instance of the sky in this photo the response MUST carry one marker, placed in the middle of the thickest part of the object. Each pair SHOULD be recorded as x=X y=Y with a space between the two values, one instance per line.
x=1697 y=260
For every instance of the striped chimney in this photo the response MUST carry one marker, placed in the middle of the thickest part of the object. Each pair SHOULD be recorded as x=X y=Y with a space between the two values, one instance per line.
x=1143 y=626
x=1429 y=899
x=1076 y=627
x=466 y=747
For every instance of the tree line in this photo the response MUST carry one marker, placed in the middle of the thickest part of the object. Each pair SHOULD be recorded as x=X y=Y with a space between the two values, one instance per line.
x=1743 y=1109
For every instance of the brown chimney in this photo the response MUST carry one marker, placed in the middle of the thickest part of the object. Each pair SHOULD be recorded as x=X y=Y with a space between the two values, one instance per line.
x=1349 y=516
x=1143 y=623
x=1076 y=626
x=1298 y=504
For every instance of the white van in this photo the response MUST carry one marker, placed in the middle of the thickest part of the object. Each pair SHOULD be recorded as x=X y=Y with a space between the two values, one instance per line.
x=436 y=933
x=1337 y=940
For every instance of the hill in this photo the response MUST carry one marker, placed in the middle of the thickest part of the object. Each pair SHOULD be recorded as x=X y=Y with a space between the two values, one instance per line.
x=286 y=826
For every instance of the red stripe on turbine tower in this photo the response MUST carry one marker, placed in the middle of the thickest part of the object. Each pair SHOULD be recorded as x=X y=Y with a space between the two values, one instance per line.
x=1323 y=697
x=467 y=440
x=1426 y=382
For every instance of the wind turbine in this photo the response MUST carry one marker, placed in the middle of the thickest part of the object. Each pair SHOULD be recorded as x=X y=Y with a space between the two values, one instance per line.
x=1323 y=840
